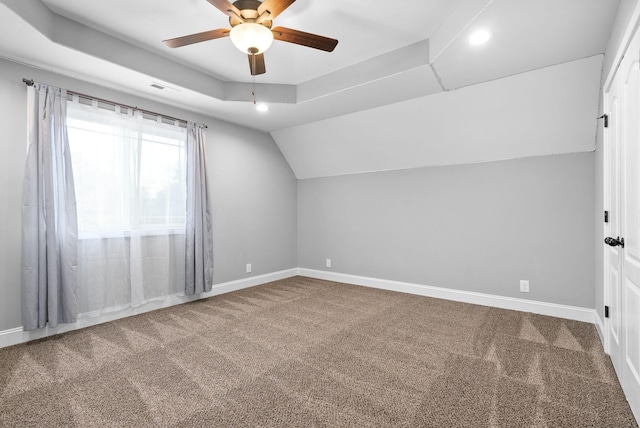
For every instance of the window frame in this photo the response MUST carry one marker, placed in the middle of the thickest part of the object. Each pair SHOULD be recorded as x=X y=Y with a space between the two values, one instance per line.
x=136 y=227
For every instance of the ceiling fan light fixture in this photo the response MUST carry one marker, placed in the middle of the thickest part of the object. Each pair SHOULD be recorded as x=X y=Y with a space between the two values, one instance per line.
x=251 y=36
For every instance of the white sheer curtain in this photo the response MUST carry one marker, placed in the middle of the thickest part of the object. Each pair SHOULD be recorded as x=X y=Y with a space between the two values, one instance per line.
x=49 y=229
x=131 y=196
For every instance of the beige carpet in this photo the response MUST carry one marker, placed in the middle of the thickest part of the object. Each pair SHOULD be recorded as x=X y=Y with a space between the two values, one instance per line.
x=305 y=352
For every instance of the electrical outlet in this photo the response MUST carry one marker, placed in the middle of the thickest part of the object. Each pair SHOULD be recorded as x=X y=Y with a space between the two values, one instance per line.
x=328 y=263
x=248 y=267
x=524 y=286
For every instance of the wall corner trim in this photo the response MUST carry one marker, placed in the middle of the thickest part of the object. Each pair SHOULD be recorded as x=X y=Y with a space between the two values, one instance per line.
x=18 y=335
x=533 y=306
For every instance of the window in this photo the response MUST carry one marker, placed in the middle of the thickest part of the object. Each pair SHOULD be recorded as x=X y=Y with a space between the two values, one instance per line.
x=130 y=171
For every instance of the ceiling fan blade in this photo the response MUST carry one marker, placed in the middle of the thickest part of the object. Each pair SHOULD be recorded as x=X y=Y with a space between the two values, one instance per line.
x=224 y=6
x=256 y=64
x=197 y=38
x=304 y=39
x=275 y=7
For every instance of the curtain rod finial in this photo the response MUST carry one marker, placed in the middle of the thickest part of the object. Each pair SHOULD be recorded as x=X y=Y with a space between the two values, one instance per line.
x=28 y=82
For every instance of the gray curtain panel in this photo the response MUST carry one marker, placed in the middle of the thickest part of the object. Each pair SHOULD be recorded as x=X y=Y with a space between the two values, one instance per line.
x=49 y=219
x=199 y=224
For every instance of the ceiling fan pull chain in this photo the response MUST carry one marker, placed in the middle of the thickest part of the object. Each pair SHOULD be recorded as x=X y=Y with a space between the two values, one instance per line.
x=253 y=79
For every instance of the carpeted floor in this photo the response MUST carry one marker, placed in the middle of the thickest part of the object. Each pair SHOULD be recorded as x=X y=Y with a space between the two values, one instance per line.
x=305 y=352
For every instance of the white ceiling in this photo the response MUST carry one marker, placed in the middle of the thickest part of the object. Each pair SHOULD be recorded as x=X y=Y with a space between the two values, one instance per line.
x=413 y=50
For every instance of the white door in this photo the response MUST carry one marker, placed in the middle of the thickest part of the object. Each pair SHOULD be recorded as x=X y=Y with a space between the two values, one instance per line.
x=612 y=228
x=630 y=203
x=623 y=199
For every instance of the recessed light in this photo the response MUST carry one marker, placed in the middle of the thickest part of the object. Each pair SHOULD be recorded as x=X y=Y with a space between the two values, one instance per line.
x=262 y=107
x=479 y=37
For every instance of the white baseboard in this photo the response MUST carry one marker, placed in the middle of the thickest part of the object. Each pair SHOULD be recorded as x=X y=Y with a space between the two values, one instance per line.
x=600 y=327
x=17 y=335
x=536 y=307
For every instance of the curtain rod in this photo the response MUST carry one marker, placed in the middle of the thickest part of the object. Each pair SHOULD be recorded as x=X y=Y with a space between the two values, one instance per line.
x=30 y=82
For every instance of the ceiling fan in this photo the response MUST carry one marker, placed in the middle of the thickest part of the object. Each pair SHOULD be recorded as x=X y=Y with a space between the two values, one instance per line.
x=251 y=31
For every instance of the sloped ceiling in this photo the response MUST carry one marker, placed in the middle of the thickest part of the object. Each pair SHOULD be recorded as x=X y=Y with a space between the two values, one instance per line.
x=402 y=89
x=547 y=111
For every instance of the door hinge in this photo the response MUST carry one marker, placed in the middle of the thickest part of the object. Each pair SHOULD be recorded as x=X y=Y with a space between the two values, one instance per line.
x=606 y=120
x=606 y=216
x=606 y=311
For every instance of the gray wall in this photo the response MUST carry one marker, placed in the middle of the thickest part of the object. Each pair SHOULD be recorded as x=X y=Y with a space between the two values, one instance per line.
x=253 y=188
x=479 y=227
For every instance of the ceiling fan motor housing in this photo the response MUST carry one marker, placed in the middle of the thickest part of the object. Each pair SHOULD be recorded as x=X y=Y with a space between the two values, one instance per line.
x=249 y=13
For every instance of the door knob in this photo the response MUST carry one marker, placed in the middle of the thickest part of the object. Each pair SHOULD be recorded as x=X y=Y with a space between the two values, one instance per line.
x=614 y=242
